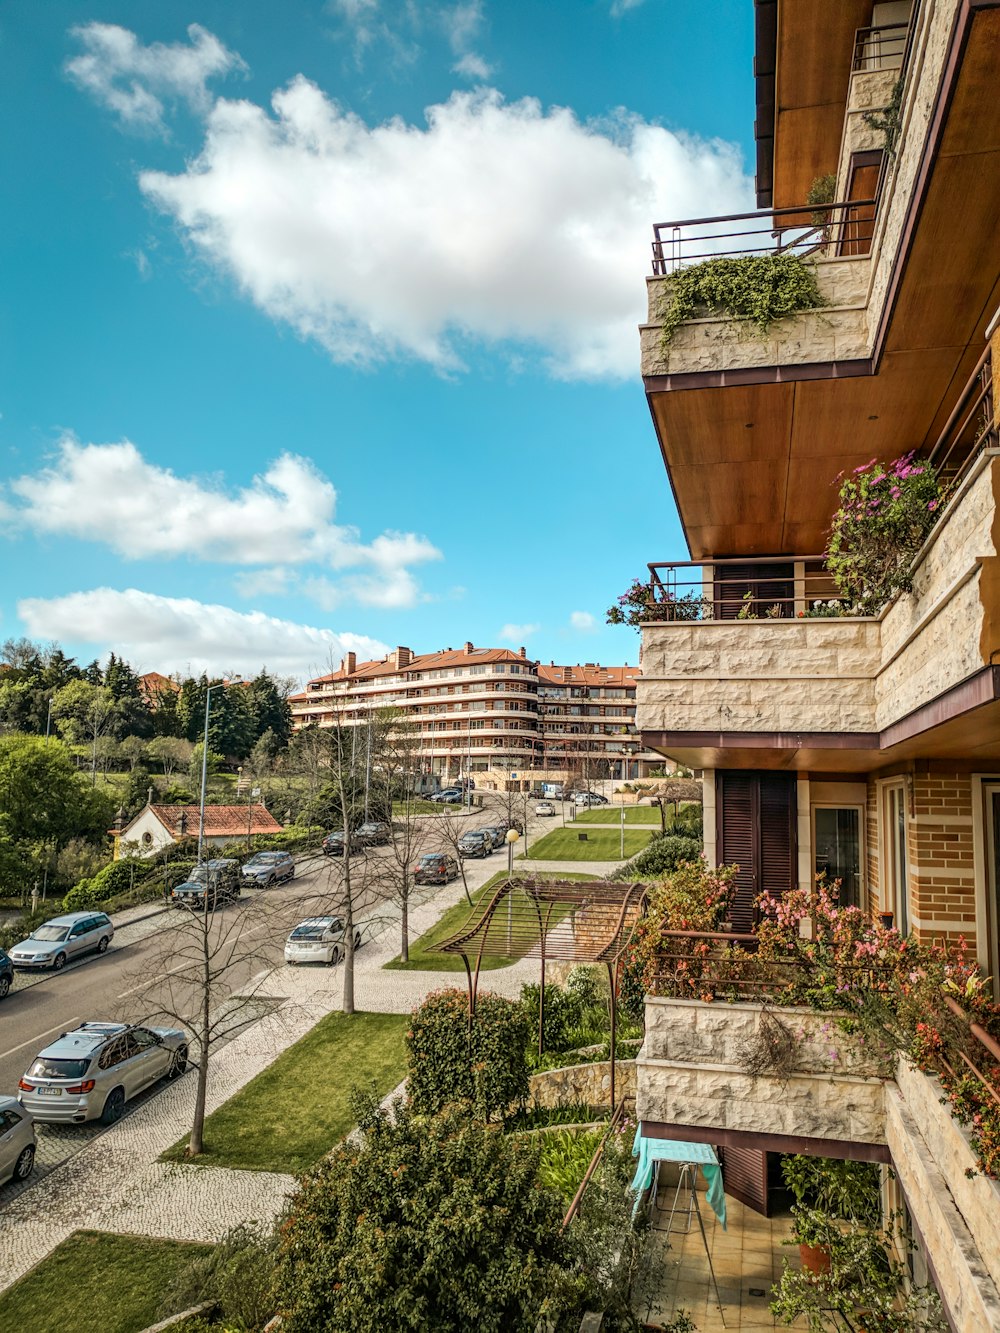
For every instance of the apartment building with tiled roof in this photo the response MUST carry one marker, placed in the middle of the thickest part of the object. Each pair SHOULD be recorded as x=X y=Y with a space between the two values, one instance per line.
x=478 y=709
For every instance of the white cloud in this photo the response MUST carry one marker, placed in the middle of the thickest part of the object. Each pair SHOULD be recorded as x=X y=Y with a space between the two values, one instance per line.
x=178 y=633
x=620 y=7
x=135 y=81
x=110 y=493
x=582 y=620
x=403 y=240
x=517 y=633
x=463 y=24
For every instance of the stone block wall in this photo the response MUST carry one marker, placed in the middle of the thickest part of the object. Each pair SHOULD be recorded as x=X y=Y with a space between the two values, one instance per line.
x=689 y=1072
x=838 y=331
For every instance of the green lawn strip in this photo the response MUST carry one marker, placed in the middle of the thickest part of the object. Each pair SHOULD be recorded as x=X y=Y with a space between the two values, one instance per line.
x=418 y=806
x=298 y=1108
x=422 y=955
x=611 y=814
x=602 y=844
x=111 y=1283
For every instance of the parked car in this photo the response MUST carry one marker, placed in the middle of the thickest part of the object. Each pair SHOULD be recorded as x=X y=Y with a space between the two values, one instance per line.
x=318 y=939
x=508 y=824
x=545 y=808
x=588 y=798
x=55 y=942
x=17 y=1141
x=211 y=885
x=477 y=842
x=497 y=834
x=6 y=973
x=334 y=844
x=374 y=833
x=92 y=1071
x=434 y=868
x=450 y=796
x=266 y=868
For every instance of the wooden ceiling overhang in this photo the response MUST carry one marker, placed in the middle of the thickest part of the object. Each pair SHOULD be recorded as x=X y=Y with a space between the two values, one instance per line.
x=753 y=454
x=961 y=725
x=803 y=53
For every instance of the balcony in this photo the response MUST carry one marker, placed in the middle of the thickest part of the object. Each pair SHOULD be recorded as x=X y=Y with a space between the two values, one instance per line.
x=742 y=659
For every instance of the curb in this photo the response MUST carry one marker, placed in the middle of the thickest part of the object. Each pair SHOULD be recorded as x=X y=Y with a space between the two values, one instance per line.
x=134 y=921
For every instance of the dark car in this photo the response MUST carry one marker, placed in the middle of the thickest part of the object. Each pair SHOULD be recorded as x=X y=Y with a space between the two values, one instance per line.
x=336 y=843
x=512 y=823
x=6 y=974
x=435 y=868
x=497 y=833
x=374 y=833
x=477 y=842
x=210 y=885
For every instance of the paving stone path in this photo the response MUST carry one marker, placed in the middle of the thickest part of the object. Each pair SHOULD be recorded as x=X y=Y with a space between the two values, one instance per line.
x=115 y=1183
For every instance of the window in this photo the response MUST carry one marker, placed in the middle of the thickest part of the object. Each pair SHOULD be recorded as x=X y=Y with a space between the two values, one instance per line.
x=895 y=870
x=838 y=851
x=8 y=1119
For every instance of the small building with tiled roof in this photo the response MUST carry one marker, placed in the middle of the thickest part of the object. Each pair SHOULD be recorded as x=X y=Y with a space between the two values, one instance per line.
x=154 y=685
x=157 y=826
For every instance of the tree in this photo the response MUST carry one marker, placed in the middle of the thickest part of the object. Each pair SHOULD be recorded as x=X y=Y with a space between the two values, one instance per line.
x=170 y=752
x=430 y=1222
x=448 y=828
x=398 y=763
x=85 y=712
x=134 y=715
x=269 y=709
x=44 y=803
x=133 y=750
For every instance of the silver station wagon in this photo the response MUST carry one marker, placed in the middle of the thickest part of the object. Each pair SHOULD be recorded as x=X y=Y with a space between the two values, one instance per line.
x=64 y=938
x=92 y=1071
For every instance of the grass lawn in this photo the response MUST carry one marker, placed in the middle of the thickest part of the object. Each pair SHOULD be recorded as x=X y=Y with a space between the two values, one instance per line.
x=110 y=1283
x=422 y=957
x=603 y=844
x=418 y=806
x=611 y=814
x=297 y=1109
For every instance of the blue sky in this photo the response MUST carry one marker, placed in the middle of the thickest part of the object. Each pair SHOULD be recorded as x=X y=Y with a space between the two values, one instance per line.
x=318 y=321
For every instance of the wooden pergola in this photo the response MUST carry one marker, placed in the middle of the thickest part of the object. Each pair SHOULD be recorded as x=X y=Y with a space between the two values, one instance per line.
x=558 y=920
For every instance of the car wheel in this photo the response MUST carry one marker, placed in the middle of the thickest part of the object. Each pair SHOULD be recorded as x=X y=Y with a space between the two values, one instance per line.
x=334 y=957
x=113 y=1107
x=59 y=962
x=25 y=1163
x=178 y=1062
x=4 y=987
x=103 y=943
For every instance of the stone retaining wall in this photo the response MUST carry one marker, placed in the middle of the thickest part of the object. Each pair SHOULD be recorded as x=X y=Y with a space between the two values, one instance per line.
x=588 y=1083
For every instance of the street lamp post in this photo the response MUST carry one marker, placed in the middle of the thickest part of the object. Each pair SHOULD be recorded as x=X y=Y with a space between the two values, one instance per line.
x=204 y=766
x=511 y=839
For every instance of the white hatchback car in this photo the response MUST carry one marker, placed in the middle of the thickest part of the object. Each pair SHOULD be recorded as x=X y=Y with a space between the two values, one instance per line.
x=545 y=808
x=318 y=939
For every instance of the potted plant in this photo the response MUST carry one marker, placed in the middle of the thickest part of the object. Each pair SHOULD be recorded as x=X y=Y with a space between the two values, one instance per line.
x=828 y=1191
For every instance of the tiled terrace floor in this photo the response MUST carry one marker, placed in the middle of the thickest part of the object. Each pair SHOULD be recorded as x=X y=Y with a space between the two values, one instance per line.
x=747 y=1259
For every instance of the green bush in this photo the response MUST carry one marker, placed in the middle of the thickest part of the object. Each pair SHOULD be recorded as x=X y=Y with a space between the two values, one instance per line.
x=107 y=883
x=486 y=1067
x=563 y=1013
x=566 y=1154
x=760 y=288
x=237 y=1274
x=175 y=794
x=661 y=856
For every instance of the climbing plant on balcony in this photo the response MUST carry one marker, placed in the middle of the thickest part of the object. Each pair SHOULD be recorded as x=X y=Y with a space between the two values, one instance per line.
x=638 y=603
x=761 y=288
x=885 y=515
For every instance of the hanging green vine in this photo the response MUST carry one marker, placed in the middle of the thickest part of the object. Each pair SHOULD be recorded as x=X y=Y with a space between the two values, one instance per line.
x=886 y=119
x=759 y=288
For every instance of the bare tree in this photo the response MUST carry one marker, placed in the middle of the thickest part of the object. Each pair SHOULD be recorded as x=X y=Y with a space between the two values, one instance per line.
x=397 y=769
x=170 y=752
x=446 y=829
x=203 y=980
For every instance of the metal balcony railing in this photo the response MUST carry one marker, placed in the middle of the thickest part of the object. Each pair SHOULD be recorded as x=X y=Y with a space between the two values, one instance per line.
x=972 y=426
x=829 y=230
x=882 y=47
x=768 y=588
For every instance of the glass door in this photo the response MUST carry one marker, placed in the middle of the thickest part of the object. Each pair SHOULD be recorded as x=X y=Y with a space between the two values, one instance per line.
x=837 y=849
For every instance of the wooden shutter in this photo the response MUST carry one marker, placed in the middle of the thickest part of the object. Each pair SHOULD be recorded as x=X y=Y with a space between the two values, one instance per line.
x=737 y=805
x=756 y=815
x=744 y=1175
x=769 y=584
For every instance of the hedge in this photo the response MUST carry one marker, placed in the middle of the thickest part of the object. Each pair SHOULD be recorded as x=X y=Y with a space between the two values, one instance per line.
x=486 y=1067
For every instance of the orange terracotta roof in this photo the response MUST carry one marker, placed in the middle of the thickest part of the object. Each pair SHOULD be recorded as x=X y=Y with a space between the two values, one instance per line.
x=421 y=662
x=589 y=674
x=221 y=821
x=153 y=683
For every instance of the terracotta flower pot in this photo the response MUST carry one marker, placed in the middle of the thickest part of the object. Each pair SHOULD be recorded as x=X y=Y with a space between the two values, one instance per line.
x=815 y=1259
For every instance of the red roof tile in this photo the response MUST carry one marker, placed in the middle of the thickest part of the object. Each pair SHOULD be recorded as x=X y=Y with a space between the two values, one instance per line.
x=220 y=820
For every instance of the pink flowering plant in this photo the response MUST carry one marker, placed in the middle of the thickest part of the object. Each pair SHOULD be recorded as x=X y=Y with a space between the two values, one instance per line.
x=639 y=602
x=885 y=515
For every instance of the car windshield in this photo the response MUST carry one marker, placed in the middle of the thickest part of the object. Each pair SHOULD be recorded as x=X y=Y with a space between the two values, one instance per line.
x=46 y=1067
x=50 y=933
x=431 y=860
x=312 y=930
x=265 y=859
